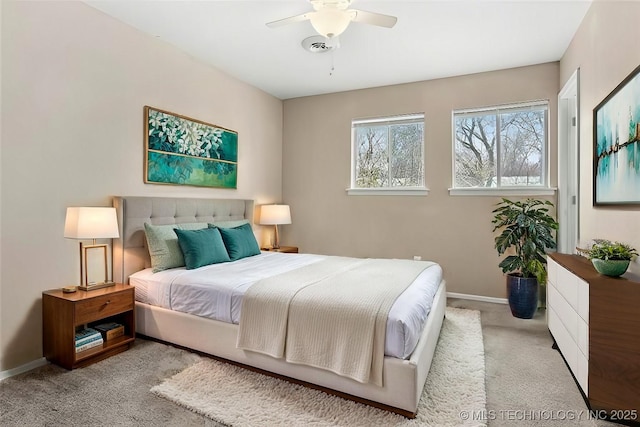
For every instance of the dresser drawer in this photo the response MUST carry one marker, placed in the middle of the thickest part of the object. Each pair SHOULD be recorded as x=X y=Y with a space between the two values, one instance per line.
x=582 y=373
x=564 y=311
x=103 y=306
x=583 y=337
x=583 y=300
x=552 y=271
x=567 y=285
x=565 y=342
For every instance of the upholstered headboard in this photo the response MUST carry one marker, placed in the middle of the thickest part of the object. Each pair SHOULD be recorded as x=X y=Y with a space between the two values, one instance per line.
x=130 y=253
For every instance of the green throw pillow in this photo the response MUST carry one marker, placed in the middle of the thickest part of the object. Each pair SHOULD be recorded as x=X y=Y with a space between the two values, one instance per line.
x=202 y=247
x=240 y=241
x=162 y=241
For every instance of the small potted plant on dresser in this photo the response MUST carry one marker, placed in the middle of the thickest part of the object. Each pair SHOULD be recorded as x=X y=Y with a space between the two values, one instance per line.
x=609 y=258
x=526 y=231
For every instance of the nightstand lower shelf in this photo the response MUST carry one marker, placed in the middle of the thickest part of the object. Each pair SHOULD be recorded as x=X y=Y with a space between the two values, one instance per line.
x=108 y=349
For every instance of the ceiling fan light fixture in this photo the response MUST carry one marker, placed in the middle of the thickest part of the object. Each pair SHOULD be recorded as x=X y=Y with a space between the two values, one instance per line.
x=319 y=44
x=330 y=22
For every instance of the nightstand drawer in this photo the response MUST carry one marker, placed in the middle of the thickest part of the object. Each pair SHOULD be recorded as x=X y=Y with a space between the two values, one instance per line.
x=103 y=306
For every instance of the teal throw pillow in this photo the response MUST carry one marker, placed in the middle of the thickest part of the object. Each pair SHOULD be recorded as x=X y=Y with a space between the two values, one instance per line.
x=162 y=241
x=202 y=247
x=240 y=241
x=229 y=224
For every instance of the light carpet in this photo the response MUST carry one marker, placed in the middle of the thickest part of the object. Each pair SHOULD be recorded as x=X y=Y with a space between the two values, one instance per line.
x=239 y=397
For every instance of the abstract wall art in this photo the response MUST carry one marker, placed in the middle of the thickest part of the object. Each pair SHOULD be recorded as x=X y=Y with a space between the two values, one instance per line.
x=616 y=145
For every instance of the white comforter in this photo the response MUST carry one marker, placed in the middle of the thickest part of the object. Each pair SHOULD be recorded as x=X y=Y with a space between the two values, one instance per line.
x=216 y=291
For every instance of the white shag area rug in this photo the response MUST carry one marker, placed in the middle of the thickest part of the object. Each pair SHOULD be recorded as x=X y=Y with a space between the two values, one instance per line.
x=235 y=396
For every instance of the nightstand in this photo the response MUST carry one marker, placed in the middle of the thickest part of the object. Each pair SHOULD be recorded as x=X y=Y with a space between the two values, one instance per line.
x=285 y=249
x=62 y=313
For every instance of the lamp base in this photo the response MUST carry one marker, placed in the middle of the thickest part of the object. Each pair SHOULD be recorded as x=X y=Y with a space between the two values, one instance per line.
x=92 y=286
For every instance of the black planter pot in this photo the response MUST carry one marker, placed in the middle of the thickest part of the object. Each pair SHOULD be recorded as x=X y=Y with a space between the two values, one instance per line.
x=523 y=296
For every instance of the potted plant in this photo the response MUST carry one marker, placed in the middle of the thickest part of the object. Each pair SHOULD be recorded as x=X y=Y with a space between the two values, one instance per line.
x=526 y=232
x=609 y=258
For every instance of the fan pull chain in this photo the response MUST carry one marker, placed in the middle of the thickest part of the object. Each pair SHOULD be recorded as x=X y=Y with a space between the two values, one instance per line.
x=332 y=65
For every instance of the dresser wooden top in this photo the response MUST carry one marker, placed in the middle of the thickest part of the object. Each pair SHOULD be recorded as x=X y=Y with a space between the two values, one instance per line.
x=582 y=267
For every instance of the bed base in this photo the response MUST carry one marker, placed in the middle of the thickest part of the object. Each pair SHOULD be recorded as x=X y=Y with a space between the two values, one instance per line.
x=403 y=379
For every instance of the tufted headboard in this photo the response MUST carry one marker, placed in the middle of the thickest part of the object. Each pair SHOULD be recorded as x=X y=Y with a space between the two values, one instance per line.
x=130 y=253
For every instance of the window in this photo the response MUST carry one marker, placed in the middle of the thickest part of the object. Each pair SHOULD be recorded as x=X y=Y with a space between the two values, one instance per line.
x=501 y=148
x=388 y=155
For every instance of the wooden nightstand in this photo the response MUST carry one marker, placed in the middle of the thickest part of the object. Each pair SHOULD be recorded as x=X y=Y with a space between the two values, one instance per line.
x=285 y=249
x=63 y=312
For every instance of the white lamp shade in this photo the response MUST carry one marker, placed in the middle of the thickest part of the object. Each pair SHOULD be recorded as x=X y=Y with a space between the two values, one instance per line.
x=91 y=223
x=275 y=214
x=330 y=22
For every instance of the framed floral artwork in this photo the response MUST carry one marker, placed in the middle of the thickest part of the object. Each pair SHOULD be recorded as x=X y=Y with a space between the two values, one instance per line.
x=183 y=151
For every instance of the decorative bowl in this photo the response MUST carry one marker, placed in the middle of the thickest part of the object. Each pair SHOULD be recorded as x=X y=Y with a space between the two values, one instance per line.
x=613 y=268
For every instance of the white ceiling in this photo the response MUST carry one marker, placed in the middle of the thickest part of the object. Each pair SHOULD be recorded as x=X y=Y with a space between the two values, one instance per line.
x=432 y=39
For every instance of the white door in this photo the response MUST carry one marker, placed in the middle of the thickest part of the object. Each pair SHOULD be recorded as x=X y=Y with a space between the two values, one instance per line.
x=569 y=164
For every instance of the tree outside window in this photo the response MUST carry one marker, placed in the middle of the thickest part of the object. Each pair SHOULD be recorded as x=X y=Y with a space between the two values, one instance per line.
x=388 y=152
x=501 y=147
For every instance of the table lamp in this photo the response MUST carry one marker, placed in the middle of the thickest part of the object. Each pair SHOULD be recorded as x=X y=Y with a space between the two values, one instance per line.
x=275 y=215
x=91 y=223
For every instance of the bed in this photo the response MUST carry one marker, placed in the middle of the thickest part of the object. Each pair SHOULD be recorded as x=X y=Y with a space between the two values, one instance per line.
x=403 y=375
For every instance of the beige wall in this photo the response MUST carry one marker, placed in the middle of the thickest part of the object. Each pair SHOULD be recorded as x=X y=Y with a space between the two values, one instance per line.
x=606 y=48
x=454 y=231
x=74 y=83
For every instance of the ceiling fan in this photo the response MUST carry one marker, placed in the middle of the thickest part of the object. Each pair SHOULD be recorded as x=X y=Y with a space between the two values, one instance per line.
x=331 y=17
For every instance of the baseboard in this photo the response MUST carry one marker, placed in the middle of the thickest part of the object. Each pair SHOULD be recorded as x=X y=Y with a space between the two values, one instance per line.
x=478 y=298
x=24 y=368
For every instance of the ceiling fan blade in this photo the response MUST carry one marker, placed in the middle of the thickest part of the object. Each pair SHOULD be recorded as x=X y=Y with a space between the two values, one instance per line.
x=290 y=20
x=373 y=18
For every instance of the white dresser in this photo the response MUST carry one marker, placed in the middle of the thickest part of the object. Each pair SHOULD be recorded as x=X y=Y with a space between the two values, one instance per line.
x=595 y=322
x=568 y=318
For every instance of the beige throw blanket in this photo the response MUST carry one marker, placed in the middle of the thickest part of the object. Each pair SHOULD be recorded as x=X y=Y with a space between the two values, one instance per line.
x=331 y=314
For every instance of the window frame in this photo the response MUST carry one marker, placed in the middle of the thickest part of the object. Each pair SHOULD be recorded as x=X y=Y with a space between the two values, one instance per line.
x=418 y=190
x=544 y=189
